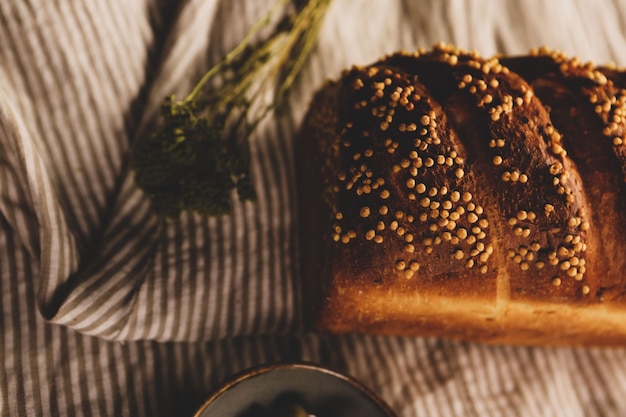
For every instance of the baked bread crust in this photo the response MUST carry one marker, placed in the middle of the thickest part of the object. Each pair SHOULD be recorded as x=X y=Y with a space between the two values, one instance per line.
x=438 y=198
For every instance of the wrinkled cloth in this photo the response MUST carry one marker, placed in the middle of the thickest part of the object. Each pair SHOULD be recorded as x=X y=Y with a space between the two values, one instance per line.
x=108 y=310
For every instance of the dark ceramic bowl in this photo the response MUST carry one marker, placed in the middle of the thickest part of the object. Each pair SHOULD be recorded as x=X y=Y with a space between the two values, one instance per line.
x=322 y=392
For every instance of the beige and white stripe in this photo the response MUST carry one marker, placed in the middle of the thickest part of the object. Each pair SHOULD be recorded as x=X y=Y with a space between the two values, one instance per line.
x=105 y=310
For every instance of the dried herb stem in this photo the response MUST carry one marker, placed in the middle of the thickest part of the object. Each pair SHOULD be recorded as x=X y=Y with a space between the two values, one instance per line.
x=199 y=154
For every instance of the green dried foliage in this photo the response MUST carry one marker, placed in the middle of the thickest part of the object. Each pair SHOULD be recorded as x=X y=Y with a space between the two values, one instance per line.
x=198 y=157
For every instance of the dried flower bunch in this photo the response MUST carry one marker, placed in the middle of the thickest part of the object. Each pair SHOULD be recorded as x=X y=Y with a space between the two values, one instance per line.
x=198 y=157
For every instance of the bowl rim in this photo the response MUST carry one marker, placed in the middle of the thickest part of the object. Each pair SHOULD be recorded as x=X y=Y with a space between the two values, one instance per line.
x=311 y=366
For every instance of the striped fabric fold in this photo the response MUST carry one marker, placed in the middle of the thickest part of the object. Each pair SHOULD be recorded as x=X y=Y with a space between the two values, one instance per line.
x=135 y=269
x=108 y=310
x=28 y=203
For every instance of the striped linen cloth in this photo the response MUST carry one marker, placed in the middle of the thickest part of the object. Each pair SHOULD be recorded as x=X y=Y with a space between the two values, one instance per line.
x=105 y=310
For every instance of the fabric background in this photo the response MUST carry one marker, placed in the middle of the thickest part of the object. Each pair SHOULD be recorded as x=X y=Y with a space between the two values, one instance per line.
x=105 y=310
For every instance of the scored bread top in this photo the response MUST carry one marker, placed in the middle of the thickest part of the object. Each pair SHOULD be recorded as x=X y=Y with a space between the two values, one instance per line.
x=444 y=176
x=589 y=107
x=402 y=184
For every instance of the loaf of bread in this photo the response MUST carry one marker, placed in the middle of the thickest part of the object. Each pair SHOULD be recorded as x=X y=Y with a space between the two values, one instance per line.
x=443 y=194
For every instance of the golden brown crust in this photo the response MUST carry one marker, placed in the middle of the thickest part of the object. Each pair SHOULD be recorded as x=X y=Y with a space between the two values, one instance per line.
x=437 y=198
